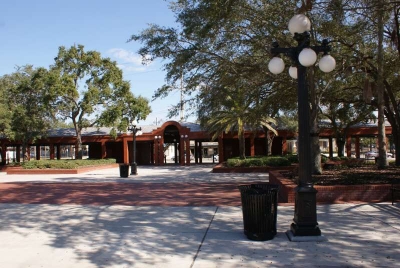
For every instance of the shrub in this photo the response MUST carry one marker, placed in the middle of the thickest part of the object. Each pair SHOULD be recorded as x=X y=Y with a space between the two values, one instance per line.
x=65 y=163
x=277 y=161
x=234 y=162
x=272 y=161
x=293 y=158
x=324 y=158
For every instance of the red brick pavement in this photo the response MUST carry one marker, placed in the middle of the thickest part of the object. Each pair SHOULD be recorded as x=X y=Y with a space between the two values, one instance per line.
x=131 y=194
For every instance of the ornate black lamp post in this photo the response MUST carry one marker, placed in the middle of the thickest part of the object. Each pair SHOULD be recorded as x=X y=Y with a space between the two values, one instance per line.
x=135 y=132
x=305 y=226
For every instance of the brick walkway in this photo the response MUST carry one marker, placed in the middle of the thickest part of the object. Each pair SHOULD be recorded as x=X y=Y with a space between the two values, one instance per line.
x=132 y=194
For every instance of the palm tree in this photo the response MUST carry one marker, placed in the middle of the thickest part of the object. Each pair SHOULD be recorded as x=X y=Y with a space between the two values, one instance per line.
x=236 y=113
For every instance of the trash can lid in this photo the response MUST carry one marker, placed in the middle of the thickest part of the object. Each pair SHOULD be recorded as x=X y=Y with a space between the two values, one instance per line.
x=261 y=188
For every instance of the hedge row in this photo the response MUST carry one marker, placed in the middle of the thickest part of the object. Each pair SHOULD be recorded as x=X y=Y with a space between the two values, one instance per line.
x=65 y=163
x=259 y=161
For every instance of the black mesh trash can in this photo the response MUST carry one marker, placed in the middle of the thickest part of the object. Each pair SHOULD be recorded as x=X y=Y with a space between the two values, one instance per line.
x=259 y=207
x=124 y=170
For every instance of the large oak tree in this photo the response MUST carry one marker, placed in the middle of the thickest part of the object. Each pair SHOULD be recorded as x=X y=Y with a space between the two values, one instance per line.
x=90 y=91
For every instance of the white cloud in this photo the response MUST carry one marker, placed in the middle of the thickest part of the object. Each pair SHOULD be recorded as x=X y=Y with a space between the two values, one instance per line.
x=129 y=68
x=128 y=60
x=125 y=55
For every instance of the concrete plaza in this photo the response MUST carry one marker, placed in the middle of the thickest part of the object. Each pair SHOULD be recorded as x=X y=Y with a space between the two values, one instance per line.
x=76 y=235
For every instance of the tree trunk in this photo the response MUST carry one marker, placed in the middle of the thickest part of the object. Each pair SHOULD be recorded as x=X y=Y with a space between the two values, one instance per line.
x=24 y=146
x=316 y=155
x=242 y=144
x=266 y=131
x=314 y=128
x=315 y=148
x=393 y=116
x=78 y=145
x=396 y=141
x=382 y=160
x=270 y=140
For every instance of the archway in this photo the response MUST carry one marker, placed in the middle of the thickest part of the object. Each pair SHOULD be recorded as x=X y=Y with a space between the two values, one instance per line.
x=171 y=137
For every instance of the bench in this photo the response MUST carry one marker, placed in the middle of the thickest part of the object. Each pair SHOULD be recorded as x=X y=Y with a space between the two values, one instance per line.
x=395 y=189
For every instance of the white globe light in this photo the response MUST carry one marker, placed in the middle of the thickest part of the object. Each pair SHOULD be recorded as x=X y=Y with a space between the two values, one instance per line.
x=293 y=72
x=299 y=24
x=307 y=57
x=327 y=63
x=276 y=65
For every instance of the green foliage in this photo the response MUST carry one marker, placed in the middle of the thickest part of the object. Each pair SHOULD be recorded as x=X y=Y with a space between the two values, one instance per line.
x=293 y=158
x=219 y=51
x=90 y=91
x=65 y=164
x=258 y=161
x=27 y=96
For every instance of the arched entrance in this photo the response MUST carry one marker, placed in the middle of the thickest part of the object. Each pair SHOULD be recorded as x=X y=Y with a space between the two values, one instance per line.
x=172 y=138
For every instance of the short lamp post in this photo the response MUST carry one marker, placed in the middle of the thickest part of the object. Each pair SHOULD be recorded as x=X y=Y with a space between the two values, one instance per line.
x=135 y=132
x=158 y=138
x=305 y=226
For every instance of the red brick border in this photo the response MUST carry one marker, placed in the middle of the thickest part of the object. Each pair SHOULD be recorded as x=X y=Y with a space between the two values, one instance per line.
x=21 y=171
x=371 y=193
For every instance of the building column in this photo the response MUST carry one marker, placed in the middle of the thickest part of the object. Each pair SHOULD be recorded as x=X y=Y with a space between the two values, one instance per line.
x=284 y=145
x=181 y=152
x=18 y=153
x=37 y=152
x=152 y=154
x=330 y=147
x=51 y=151
x=196 y=152
x=357 y=145
x=3 y=154
x=125 y=150
x=252 y=148
x=103 y=150
x=220 y=149
x=348 y=146
x=200 y=152
x=187 y=151
x=161 y=152
x=58 y=151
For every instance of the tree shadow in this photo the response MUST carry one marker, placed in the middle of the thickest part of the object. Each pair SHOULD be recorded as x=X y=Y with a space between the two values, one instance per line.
x=106 y=236
x=362 y=235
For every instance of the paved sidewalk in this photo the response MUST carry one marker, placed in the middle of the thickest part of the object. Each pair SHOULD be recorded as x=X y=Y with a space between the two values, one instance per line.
x=86 y=236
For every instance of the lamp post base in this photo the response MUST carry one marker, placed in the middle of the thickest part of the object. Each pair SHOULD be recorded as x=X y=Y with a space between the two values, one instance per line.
x=134 y=169
x=305 y=217
x=311 y=238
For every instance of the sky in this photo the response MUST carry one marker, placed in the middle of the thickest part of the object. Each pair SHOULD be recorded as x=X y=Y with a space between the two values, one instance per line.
x=33 y=30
